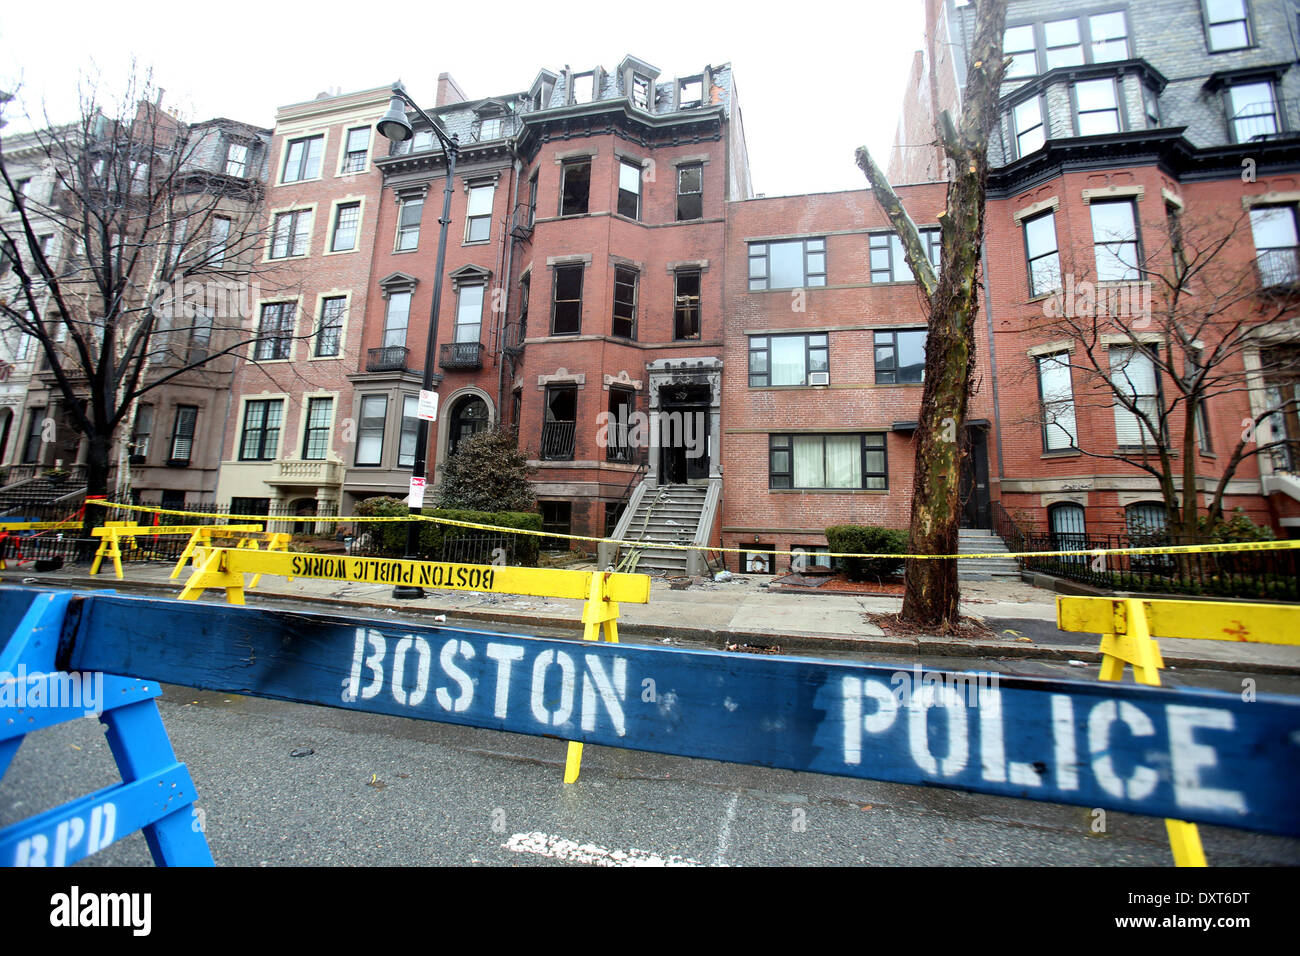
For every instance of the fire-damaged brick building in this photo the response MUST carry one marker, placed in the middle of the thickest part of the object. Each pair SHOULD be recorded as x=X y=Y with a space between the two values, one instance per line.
x=583 y=283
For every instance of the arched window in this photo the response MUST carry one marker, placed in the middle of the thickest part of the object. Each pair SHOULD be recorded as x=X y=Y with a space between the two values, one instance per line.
x=1068 y=532
x=469 y=416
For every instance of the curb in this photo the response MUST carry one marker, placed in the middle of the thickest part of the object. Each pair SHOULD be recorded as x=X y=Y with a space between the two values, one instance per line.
x=934 y=646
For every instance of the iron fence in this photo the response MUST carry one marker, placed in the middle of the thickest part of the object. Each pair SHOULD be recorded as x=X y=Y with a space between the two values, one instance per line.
x=1267 y=575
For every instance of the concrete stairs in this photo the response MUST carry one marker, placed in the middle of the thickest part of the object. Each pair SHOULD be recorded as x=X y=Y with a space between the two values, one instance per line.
x=39 y=492
x=668 y=514
x=976 y=541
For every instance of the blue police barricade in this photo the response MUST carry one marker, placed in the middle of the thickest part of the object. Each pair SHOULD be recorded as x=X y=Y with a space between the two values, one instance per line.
x=156 y=794
x=1200 y=756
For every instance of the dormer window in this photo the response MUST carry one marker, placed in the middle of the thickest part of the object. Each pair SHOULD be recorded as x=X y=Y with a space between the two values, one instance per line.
x=1109 y=37
x=422 y=140
x=641 y=92
x=236 y=159
x=1072 y=41
x=690 y=93
x=637 y=79
x=1029 y=130
x=583 y=88
x=1018 y=43
x=1252 y=110
x=539 y=94
x=1096 y=107
x=490 y=127
x=1064 y=47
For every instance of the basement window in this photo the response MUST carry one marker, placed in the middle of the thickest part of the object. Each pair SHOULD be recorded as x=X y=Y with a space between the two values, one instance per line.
x=557 y=518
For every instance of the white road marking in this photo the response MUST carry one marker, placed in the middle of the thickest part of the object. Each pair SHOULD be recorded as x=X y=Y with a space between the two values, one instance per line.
x=570 y=851
x=724 y=837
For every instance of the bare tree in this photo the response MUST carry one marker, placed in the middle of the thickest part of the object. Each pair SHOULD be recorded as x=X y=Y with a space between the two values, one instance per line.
x=931 y=593
x=133 y=267
x=1167 y=340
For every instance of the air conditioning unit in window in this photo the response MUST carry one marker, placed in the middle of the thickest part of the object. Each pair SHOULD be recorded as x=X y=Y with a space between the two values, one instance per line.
x=819 y=378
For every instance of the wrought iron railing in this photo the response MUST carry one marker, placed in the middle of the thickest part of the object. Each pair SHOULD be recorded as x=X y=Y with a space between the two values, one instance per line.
x=455 y=355
x=558 y=440
x=1269 y=575
x=1005 y=527
x=390 y=358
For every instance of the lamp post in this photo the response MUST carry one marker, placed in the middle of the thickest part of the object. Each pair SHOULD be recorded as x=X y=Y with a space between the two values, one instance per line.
x=395 y=126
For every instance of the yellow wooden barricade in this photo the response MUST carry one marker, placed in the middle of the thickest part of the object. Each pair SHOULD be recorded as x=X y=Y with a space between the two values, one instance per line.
x=602 y=590
x=249 y=536
x=1129 y=627
x=113 y=533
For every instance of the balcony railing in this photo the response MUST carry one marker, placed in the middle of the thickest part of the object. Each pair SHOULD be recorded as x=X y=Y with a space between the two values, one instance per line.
x=390 y=358
x=1278 y=267
x=454 y=355
x=298 y=471
x=557 y=441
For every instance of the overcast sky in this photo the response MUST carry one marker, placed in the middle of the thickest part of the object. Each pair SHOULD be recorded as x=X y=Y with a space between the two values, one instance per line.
x=815 y=79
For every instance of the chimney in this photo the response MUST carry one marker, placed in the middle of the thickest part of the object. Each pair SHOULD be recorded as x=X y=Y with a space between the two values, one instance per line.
x=449 y=91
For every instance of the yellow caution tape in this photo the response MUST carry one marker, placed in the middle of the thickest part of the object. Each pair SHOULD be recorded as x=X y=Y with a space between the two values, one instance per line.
x=1222 y=548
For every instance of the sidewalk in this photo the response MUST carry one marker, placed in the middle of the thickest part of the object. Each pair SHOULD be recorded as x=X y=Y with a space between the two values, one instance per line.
x=741 y=611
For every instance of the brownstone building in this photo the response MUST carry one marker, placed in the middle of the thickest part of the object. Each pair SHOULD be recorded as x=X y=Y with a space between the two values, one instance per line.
x=584 y=281
x=291 y=427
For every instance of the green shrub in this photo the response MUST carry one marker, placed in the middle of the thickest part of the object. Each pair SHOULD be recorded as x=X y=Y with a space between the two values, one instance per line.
x=390 y=536
x=1238 y=527
x=868 y=539
x=487 y=473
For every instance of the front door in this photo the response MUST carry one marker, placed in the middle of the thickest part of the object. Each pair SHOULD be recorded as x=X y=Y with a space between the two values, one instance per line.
x=976 y=504
x=684 y=435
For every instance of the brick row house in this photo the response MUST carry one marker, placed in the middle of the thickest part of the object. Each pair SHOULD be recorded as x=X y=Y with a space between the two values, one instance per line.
x=203 y=184
x=584 y=277
x=1135 y=141
x=288 y=438
x=825 y=354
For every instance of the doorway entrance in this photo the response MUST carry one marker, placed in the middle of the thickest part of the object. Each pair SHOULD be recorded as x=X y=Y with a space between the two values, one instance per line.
x=684 y=434
x=976 y=511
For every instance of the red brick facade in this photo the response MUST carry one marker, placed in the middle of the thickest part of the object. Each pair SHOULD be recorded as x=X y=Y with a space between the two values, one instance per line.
x=850 y=309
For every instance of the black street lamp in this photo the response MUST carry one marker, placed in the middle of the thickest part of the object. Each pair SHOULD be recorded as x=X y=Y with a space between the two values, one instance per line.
x=395 y=126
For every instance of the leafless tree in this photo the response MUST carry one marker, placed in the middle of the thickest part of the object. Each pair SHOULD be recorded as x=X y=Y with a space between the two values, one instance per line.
x=135 y=266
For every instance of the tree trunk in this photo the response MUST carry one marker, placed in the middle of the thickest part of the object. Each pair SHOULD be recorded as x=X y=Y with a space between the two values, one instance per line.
x=931 y=594
x=930 y=598
x=98 y=456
